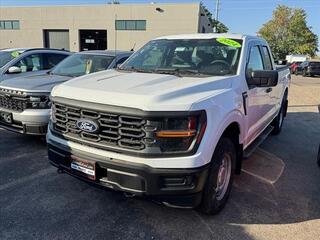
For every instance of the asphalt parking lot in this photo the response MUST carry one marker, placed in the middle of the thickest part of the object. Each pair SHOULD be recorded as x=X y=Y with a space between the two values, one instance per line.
x=276 y=197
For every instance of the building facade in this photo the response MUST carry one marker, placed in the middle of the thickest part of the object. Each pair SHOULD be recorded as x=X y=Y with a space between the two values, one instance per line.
x=108 y=26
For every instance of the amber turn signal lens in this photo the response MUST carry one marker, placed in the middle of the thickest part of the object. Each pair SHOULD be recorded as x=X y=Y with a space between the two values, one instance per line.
x=176 y=134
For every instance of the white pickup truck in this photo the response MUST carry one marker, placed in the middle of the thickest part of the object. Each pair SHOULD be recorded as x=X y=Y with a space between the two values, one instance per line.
x=174 y=121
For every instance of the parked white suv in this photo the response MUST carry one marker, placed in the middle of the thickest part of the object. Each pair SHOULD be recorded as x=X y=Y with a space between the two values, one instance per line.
x=174 y=122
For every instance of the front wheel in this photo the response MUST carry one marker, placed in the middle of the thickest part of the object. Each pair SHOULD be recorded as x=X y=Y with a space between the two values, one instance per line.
x=220 y=178
x=304 y=73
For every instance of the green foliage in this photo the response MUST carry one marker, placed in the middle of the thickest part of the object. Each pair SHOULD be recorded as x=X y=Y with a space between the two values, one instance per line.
x=218 y=26
x=288 y=33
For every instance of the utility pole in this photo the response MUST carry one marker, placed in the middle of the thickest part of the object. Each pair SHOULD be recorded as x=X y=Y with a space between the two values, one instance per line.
x=216 y=17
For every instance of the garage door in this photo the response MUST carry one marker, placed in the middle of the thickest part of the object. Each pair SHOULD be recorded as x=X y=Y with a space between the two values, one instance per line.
x=58 y=39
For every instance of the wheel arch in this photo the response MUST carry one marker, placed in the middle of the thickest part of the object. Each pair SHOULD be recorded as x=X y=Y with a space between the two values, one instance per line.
x=233 y=132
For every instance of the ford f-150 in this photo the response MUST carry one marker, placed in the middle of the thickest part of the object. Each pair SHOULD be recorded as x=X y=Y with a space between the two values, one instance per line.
x=174 y=121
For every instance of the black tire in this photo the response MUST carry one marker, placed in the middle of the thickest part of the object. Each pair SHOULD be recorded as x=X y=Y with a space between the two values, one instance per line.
x=296 y=72
x=278 y=121
x=304 y=73
x=213 y=200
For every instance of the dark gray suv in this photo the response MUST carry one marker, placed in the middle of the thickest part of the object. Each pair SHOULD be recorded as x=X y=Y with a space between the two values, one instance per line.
x=17 y=62
x=24 y=101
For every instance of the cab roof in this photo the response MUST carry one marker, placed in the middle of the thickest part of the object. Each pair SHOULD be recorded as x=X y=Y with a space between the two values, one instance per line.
x=209 y=36
x=107 y=52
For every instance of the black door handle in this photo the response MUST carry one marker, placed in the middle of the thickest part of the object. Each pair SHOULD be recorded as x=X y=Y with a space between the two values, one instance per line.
x=268 y=90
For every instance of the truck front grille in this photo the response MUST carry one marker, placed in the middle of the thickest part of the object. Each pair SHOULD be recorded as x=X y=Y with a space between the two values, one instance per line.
x=13 y=103
x=114 y=129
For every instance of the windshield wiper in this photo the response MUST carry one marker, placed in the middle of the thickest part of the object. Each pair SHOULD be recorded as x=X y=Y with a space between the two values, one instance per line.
x=63 y=75
x=177 y=71
x=134 y=69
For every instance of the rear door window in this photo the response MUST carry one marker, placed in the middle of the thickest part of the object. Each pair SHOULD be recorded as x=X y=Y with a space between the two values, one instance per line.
x=267 y=58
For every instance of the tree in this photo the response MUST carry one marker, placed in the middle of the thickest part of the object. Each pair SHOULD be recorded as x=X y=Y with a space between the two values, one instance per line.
x=288 y=33
x=218 y=26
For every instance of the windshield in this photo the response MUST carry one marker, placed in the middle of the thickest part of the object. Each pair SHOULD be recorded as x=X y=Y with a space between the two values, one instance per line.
x=204 y=57
x=5 y=57
x=315 y=64
x=80 y=64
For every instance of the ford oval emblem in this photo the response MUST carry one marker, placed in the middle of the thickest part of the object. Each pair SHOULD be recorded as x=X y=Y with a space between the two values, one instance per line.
x=87 y=125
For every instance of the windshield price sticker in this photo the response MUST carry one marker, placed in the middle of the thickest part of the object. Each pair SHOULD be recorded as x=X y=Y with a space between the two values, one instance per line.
x=15 y=54
x=229 y=42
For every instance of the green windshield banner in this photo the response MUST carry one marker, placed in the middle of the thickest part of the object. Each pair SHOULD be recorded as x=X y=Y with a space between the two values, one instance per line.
x=15 y=54
x=229 y=42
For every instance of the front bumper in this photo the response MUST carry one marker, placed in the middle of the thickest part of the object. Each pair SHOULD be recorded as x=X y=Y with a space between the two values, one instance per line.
x=174 y=187
x=31 y=121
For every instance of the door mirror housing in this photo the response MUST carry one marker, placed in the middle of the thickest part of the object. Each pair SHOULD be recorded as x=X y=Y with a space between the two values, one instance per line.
x=13 y=70
x=264 y=78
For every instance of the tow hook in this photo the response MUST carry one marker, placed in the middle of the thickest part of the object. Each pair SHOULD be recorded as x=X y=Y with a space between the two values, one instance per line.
x=60 y=171
x=129 y=195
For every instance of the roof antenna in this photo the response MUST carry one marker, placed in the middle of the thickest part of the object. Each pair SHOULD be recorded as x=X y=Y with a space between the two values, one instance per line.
x=132 y=49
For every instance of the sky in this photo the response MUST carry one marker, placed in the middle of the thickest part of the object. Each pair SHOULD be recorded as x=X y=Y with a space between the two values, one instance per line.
x=241 y=16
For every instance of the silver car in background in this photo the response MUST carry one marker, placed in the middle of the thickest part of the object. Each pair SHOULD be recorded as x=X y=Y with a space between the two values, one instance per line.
x=24 y=101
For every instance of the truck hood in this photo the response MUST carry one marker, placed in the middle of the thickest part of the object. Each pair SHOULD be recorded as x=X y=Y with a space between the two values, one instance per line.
x=34 y=83
x=146 y=91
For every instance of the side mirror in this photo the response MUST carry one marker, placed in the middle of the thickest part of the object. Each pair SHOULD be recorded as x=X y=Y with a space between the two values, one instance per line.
x=265 y=78
x=13 y=70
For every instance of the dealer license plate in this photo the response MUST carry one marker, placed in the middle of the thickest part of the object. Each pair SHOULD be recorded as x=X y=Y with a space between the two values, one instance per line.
x=84 y=167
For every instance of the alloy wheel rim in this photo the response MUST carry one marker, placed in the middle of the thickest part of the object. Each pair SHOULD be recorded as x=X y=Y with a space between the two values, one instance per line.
x=223 y=178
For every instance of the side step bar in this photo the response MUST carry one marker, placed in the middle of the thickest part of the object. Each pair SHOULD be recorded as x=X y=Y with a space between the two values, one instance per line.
x=256 y=143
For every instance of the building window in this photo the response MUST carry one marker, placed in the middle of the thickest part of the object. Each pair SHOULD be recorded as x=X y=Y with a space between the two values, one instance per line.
x=133 y=25
x=141 y=25
x=130 y=25
x=15 y=25
x=120 y=25
x=9 y=25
